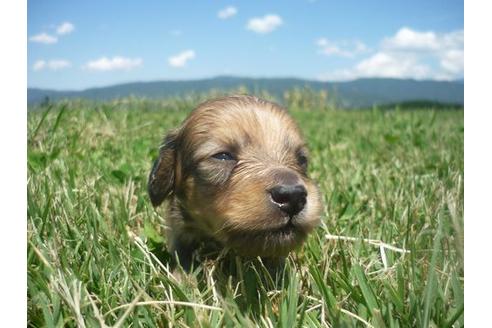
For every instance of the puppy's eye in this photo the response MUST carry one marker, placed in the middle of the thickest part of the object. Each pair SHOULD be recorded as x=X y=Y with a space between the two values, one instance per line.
x=302 y=160
x=224 y=156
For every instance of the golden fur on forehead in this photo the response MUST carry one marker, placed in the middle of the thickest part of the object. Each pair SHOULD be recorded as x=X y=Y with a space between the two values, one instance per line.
x=241 y=119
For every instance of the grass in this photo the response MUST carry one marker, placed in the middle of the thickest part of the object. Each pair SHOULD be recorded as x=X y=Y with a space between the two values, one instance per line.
x=96 y=251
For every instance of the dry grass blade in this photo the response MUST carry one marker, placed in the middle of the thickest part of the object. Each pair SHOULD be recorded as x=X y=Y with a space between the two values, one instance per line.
x=374 y=242
x=192 y=305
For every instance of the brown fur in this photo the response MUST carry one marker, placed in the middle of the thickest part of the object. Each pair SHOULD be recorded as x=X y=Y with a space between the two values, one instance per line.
x=227 y=201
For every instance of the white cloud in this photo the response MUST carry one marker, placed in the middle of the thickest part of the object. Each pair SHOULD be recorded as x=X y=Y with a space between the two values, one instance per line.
x=227 y=12
x=407 y=54
x=39 y=65
x=447 y=48
x=65 y=28
x=410 y=40
x=58 y=64
x=407 y=39
x=176 y=33
x=347 y=49
x=55 y=65
x=181 y=59
x=382 y=64
x=454 y=39
x=453 y=61
x=265 y=24
x=115 y=63
x=388 y=65
x=43 y=38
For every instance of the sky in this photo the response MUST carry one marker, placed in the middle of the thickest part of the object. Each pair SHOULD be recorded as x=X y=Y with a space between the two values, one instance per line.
x=73 y=45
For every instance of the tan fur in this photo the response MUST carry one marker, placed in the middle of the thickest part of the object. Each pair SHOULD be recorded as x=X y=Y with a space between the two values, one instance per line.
x=228 y=201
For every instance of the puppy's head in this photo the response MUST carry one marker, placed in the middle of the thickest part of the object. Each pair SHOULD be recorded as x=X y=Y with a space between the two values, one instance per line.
x=237 y=167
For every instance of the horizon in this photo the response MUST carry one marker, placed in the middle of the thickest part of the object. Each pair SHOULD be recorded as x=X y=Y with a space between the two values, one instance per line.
x=458 y=80
x=77 y=46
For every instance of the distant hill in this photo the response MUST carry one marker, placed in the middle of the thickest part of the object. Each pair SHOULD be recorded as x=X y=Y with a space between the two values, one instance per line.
x=358 y=93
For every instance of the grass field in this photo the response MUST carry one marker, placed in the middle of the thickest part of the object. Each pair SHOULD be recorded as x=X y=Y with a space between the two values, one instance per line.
x=96 y=252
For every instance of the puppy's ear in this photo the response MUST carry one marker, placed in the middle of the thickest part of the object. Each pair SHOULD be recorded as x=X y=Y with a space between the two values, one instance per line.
x=163 y=175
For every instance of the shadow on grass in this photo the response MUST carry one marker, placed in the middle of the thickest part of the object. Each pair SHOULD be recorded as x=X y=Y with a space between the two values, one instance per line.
x=253 y=284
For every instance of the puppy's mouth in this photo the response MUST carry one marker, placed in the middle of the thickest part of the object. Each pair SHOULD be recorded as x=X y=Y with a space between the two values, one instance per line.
x=289 y=227
x=267 y=241
x=286 y=228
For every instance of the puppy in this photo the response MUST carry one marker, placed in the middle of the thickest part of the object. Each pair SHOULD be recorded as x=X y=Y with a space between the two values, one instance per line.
x=235 y=175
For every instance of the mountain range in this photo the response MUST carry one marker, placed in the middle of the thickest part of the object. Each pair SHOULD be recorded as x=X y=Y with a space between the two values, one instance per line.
x=358 y=93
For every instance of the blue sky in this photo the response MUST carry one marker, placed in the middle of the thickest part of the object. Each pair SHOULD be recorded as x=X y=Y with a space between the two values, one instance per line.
x=81 y=44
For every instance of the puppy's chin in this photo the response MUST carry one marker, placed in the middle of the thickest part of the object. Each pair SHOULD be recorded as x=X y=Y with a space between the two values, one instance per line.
x=271 y=241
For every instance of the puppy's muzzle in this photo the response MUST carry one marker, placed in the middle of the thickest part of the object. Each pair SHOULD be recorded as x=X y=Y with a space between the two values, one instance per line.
x=290 y=198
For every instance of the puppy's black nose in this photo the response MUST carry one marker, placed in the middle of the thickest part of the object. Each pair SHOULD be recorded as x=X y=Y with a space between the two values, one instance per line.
x=291 y=199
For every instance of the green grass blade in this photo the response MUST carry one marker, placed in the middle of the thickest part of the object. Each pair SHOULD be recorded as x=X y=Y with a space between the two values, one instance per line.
x=41 y=121
x=431 y=283
x=58 y=119
x=367 y=292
